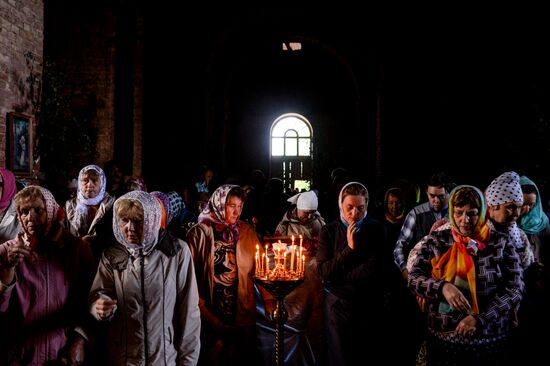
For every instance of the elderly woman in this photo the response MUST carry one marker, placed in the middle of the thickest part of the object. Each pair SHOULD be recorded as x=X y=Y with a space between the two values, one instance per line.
x=223 y=248
x=88 y=214
x=145 y=287
x=45 y=274
x=472 y=279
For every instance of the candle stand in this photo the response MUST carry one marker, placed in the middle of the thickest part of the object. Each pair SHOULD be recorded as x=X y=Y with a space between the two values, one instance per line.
x=279 y=288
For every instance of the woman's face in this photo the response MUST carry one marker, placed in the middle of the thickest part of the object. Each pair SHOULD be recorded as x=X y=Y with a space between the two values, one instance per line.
x=529 y=201
x=90 y=186
x=233 y=209
x=394 y=205
x=33 y=216
x=506 y=213
x=131 y=225
x=354 y=208
x=466 y=218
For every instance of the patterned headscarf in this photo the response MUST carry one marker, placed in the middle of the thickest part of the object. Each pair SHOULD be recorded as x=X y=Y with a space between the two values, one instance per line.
x=456 y=265
x=9 y=190
x=151 y=220
x=176 y=206
x=82 y=203
x=535 y=220
x=54 y=213
x=504 y=189
x=136 y=184
x=102 y=183
x=341 y=199
x=165 y=205
x=214 y=212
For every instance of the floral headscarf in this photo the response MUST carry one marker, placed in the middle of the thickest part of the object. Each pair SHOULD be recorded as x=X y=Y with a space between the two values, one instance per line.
x=9 y=190
x=214 y=212
x=535 y=220
x=456 y=265
x=151 y=220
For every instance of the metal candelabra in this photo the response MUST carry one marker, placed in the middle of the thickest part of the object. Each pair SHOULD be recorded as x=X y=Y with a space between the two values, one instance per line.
x=279 y=288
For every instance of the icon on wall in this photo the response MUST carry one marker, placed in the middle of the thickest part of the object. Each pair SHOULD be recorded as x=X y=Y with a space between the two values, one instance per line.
x=20 y=143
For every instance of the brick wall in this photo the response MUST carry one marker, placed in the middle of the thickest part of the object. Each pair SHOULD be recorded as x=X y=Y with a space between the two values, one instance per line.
x=21 y=52
x=96 y=48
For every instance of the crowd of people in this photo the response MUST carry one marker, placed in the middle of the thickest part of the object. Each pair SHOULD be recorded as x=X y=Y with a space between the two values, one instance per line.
x=120 y=274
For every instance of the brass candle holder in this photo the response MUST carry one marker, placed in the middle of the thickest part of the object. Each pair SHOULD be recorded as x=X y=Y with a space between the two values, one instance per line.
x=279 y=279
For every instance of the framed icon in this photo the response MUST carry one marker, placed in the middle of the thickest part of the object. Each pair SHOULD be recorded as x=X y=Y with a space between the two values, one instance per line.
x=20 y=143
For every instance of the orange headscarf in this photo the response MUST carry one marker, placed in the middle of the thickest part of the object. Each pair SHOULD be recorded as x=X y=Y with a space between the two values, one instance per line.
x=457 y=265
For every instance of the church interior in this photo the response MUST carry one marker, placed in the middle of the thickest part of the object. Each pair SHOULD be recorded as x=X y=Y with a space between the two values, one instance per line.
x=165 y=92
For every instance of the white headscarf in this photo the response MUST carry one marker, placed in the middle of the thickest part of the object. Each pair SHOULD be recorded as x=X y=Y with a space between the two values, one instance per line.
x=82 y=203
x=341 y=198
x=504 y=189
x=305 y=201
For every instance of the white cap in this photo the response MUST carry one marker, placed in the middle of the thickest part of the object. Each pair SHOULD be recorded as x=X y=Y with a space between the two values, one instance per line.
x=305 y=201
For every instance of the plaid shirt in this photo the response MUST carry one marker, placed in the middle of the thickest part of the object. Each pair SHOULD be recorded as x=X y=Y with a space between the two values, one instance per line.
x=418 y=223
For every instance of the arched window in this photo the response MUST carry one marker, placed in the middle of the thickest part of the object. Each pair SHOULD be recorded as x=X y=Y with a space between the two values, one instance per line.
x=291 y=136
x=291 y=151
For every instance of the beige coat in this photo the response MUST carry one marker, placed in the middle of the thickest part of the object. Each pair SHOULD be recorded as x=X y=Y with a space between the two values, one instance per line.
x=201 y=241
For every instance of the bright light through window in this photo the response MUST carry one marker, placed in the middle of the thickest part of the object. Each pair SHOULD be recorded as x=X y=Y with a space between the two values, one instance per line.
x=292 y=46
x=291 y=136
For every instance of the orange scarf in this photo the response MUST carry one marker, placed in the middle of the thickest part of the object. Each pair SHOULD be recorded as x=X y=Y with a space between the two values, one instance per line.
x=457 y=265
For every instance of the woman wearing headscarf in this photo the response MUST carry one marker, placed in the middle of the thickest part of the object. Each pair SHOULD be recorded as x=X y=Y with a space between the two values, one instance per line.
x=145 y=288
x=472 y=280
x=9 y=224
x=504 y=203
x=533 y=318
x=303 y=328
x=302 y=218
x=89 y=213
x=533 y=220
x=223 y=251
x=45 y=274
x=355 y=274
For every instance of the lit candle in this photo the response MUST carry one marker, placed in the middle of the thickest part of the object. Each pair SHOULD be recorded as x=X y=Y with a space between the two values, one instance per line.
x=266 y=265
x=257 y=259
x=303 y=264
x=263 y=265
x=292 y=254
